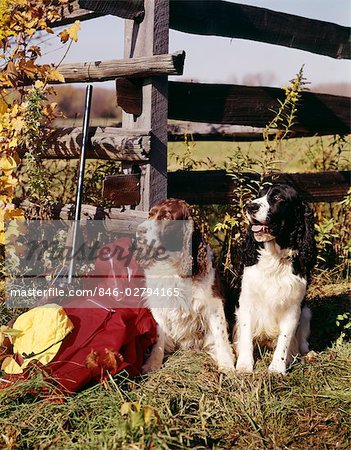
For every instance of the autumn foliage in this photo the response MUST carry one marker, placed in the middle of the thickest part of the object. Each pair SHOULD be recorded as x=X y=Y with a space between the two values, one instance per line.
x=24 y=83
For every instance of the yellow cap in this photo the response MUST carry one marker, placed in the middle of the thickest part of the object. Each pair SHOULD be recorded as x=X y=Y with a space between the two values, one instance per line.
x=42 y=330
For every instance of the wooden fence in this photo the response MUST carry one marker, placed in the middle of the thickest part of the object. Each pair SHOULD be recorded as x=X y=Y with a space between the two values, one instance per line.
x=148 y=99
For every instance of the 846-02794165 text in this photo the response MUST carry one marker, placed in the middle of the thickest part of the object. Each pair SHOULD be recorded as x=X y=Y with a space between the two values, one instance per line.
x=95 y=292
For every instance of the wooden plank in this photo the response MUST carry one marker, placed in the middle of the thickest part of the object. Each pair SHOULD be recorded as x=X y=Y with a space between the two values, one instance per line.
x=90 y=9
x=127 y=9
x=231 y=137
x=157 y=65
x=114 y=219
x=130 y=96
x=218 y=186
x=220 y=18
x=147 y=39
x=252 y=106
x=216 y=137
x=72 y=12
x=122 y=189
x=104 y=143
x=221 y=133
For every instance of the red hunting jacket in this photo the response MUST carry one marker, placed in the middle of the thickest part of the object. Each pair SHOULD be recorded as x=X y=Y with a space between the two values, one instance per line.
x=110 y=335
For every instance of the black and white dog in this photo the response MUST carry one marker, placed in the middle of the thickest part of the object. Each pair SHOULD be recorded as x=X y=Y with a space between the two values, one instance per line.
x=279 y=254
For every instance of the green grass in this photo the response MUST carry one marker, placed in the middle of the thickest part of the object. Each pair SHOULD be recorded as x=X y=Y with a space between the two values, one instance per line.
x=297 y=155
x=188 y=404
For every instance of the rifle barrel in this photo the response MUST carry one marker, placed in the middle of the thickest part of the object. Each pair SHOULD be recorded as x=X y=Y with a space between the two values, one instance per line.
x=79 y=193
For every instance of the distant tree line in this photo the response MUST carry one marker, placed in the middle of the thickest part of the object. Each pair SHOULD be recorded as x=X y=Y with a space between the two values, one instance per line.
x=70 y=100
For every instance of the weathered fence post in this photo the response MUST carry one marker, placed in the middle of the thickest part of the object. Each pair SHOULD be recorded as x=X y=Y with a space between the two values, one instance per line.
x=150 y=37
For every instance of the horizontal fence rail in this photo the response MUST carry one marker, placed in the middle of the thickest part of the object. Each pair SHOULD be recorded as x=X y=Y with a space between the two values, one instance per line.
x=233 y=20
x=114 y=219
x=127 y=9
x=72 y=12
x=103 y=143
x=90 y=9
x=204 y=187
x=247 y=105
x=218 y=186
x=198 y=132
x=220 y=18
x=147 y=66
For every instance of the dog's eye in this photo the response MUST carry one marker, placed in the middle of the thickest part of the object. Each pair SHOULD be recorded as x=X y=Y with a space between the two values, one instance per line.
x=278 y=198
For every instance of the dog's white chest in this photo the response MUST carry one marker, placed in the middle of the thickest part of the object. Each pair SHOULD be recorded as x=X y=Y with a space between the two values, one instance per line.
x=274 y=283
x=180 y=316
x=270 y=291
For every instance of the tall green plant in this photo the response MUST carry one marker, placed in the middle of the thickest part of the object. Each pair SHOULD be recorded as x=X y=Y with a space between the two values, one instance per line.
x=232 y=227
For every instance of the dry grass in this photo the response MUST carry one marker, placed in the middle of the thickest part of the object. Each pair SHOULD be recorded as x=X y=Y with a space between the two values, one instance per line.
x=188 y=404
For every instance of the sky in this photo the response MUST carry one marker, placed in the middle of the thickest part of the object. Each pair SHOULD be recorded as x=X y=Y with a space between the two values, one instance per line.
x=224 y=60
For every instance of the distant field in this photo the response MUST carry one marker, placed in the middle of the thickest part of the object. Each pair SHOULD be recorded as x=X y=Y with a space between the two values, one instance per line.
x=296 y=155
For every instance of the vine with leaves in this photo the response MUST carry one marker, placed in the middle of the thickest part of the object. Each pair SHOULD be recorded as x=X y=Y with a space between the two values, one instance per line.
x=25 y=115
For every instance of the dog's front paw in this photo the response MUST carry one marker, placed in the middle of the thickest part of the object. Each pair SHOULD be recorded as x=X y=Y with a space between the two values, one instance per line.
x=227 y=370
x=244 y=366
x=277 y=367
x=151 y=366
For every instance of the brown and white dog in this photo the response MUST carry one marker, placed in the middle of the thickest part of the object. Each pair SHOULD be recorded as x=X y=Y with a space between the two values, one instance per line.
x=182 y=287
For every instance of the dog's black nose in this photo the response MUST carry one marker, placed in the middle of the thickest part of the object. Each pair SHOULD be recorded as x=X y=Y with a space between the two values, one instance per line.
x=252 y=208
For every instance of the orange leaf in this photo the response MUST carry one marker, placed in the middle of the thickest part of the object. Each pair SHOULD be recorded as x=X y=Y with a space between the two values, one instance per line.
x=64 y=36
x=92 y=360
x=28 y=67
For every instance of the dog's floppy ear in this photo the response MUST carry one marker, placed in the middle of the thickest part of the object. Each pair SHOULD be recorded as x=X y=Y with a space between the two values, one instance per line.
x=199 y=252
x=305 y=238
x=194 y=256
x=186 y=258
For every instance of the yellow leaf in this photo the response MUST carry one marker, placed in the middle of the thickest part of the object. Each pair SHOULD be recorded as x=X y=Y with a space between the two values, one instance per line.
x=55 y=75
x=8 y=182
x=12 y=230
x=125 y=408
x=71 y=32
x=8 y=163
x=14 y=214
x=14 y=111
x=3 y=107
x=13 y=143
x=150 y=415
x=3 y=199
x=18 y=123
x=30 y=31
x=38 y=84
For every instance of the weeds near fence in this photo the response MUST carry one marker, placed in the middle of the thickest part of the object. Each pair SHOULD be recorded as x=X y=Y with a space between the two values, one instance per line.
x=228 y=222
x=268 y=163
